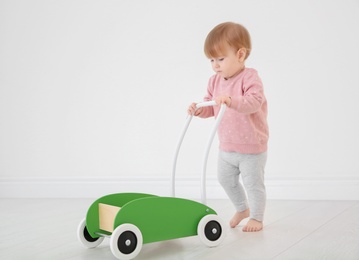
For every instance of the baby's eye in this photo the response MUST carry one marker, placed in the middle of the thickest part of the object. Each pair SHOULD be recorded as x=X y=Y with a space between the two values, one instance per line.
x=212 y=60
x=220 y=59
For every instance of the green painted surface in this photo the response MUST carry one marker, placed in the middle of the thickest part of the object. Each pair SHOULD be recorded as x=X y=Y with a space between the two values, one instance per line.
x=158 y=218
x=118 y=199
x=163 y=218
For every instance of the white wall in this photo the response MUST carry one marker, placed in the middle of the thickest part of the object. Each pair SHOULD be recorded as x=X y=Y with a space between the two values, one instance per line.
x=98 y=90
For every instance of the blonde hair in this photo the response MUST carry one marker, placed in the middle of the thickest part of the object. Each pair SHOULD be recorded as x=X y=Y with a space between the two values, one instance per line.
x=227 y=34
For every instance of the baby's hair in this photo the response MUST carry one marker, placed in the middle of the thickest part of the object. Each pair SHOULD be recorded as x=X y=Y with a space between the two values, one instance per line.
x=227 y=34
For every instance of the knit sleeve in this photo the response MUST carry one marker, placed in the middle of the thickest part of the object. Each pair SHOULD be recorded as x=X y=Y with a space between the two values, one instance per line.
x=208 y=111
x=253 y=95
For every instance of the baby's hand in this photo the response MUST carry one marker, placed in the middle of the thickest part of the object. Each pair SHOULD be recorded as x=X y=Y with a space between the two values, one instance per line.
x=223 y=100
x=192 y=110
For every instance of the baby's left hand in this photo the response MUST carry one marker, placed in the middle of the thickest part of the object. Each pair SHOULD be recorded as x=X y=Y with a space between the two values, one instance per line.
x=223 y=100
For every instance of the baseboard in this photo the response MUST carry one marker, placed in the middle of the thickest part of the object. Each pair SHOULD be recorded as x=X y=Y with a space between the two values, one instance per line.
x=277 y=188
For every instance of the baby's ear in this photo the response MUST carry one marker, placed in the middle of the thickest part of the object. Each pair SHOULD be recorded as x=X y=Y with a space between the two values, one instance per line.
x=241 y=54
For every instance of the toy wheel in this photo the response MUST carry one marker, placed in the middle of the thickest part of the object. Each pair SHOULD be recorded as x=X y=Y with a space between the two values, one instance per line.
x=126 y=241
x=85 y=238
x=210 y=230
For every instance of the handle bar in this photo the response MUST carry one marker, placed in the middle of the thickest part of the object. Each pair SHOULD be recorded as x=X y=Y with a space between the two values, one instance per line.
x=208 y=147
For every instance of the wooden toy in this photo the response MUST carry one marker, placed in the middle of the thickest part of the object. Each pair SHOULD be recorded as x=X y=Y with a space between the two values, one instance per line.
x=133 y=219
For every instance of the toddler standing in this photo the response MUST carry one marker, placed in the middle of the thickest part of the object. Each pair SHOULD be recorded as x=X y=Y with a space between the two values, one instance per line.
x=243 y=132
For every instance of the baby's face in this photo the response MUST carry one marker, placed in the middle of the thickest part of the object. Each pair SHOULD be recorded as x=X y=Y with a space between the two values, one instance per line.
x=229 y=64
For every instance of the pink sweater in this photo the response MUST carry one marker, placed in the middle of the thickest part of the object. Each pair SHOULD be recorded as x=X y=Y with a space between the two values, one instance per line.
x=244 y=127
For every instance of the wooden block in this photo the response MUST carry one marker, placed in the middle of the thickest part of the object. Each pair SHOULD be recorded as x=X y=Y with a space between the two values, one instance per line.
x=107 y=214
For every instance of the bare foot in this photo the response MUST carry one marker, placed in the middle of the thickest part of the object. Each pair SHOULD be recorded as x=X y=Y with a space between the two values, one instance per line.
x=238 y=217
x=253 y=226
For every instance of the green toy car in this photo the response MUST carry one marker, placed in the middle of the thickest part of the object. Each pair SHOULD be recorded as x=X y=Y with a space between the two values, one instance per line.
x=134 y=219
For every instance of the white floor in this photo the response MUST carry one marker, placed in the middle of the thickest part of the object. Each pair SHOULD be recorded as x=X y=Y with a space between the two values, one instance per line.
x=46 y=229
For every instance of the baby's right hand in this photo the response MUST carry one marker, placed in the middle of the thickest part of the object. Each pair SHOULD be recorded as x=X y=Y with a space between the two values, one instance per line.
x=192 y=110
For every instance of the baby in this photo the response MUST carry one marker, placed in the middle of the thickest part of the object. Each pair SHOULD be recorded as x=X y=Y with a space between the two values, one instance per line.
x=243 y=132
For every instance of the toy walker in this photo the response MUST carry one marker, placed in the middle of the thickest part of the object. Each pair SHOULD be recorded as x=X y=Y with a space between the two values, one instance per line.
x=133 y=219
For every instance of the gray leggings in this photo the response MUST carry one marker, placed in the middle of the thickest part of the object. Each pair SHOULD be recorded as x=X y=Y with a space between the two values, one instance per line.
x=251 y=168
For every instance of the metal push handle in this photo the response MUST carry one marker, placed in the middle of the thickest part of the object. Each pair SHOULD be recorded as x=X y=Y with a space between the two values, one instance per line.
x=208 y=147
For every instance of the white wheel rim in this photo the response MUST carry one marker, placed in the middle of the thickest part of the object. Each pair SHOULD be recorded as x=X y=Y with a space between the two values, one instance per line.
x=217 y=227
x=127 y=242
x=82 y=238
